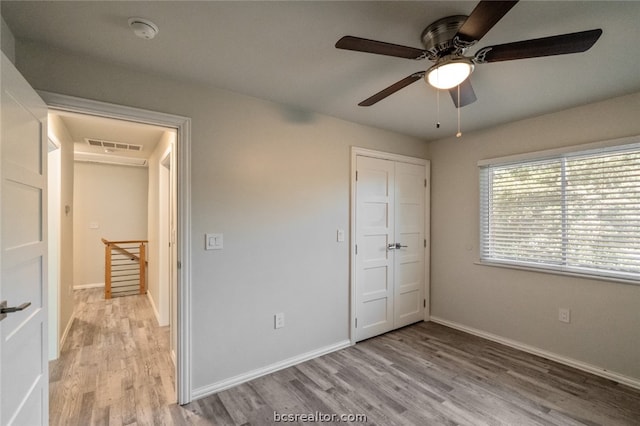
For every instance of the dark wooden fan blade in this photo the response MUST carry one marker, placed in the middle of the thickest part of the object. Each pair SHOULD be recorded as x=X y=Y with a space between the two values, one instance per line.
x=467 y=94
x=392 y=89
x=546 y=46
x=485 y=15
x=379 y=47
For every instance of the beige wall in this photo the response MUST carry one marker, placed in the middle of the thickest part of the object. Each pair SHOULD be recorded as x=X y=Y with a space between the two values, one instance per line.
x=275 y=181
x=65 y=254
x=158 y=268
x=519 y=305
x=115 y=199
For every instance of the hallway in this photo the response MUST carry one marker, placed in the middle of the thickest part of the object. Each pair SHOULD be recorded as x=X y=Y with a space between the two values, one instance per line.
x=115 y=367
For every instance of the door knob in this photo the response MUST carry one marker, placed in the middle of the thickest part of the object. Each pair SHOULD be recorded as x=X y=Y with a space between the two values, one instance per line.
x=4 y=310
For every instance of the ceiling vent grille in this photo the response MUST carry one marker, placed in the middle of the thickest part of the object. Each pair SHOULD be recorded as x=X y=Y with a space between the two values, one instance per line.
x=113 y=145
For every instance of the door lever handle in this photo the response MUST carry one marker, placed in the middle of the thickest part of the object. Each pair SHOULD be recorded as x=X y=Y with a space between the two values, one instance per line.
x=391 y=246
x=7 y=310
x=398 y=245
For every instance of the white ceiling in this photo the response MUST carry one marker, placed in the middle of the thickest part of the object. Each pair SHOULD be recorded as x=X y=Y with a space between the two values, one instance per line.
x=284 y=52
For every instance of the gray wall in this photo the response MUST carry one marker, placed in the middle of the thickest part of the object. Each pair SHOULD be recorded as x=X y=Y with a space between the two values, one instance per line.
x=520 y=305
x=275 y=181
x=7 y=41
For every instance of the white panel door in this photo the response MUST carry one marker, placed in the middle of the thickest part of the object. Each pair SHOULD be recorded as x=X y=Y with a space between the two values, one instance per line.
x=390 y=199
x=374 y=232
x=23 y=334
x=409 y=255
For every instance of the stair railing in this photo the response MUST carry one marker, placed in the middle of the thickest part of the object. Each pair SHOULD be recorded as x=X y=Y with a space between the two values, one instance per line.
x=125 y=267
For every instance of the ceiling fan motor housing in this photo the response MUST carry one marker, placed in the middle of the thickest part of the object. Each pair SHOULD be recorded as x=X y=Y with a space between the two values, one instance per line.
x=437 y=38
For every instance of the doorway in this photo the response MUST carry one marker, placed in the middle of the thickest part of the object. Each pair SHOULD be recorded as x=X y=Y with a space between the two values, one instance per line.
x=390 y=250
x=173 y=161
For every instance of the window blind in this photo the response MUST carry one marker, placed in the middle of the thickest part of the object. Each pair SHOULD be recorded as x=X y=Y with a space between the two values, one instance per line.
x=576 y=212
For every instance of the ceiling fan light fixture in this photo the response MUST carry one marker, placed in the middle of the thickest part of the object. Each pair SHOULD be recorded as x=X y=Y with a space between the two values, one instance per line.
x=449 y=73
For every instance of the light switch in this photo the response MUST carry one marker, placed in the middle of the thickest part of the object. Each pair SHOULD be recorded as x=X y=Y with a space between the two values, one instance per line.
x=213 y=241
x=340 y=235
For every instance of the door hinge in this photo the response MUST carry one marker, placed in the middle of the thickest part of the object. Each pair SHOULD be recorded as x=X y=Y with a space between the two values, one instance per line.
x=356 y=175
x=356 y=322
x=425 y=243
x=425 y=183
x=424 y=303
x=179 y=265
x=356 y=249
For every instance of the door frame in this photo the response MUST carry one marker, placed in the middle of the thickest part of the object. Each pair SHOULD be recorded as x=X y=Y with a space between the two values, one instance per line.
x=365 y=152
x=183 y=162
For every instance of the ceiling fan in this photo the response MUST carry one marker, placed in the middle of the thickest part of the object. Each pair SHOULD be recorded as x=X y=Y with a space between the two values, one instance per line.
x=446 y=41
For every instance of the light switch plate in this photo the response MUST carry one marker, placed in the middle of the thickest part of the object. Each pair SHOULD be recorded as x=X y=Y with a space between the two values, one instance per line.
x=340 y=235
x=213 y=242
x=278 y=320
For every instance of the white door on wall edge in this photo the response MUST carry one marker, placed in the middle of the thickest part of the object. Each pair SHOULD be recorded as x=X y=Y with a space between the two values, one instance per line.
x=374 y=233
x=390 y=245
x=24 y=381
x=409 y=254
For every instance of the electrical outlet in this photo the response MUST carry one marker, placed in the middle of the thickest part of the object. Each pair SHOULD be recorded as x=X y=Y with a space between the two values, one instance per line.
x=278 y=320
x=564 y=315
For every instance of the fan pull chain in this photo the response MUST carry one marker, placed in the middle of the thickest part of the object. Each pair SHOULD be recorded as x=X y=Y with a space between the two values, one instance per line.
x=437 y=108
x=459 y=132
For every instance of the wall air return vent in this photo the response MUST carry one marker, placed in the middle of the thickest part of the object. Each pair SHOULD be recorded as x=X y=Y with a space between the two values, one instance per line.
x=110 y=145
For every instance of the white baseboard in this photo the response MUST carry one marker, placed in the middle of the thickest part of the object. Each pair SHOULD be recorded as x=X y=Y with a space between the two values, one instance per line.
x=589 y=368
x=66 y=332
x=254 y=374
x=155 y=309
x=85 y=286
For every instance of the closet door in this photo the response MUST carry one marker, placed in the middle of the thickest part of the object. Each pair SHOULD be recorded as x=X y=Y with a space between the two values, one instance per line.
x=409 y=254
x=374 y=262
x=390 y=245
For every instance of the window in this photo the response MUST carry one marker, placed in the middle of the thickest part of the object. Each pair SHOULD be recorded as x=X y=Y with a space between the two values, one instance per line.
x=575 y=212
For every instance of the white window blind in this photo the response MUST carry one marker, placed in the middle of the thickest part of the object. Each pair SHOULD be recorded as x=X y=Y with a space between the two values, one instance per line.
x=576 y=212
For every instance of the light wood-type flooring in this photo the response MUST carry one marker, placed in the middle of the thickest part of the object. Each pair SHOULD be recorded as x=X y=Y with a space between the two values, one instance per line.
x=115 y=367
x=425 y=374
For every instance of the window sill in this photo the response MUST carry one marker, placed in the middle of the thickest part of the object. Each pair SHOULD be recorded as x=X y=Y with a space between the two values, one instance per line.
x=558 y=272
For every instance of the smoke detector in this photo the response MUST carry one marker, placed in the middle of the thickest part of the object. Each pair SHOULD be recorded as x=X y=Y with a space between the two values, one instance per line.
x=143 y=28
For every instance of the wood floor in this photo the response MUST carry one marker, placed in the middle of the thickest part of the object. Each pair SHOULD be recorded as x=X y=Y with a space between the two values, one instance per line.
x=424 y=374
x=115 y=367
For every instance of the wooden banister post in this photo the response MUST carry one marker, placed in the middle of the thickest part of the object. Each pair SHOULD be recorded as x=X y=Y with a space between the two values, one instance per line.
x=107 y=271
x=143 y=267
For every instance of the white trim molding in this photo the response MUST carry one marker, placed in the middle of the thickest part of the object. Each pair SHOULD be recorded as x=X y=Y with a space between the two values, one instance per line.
x=65 y=333
x=254 y=374
x=183 y=157
x=86 y=286
x=153 y=307
x=580 y=365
